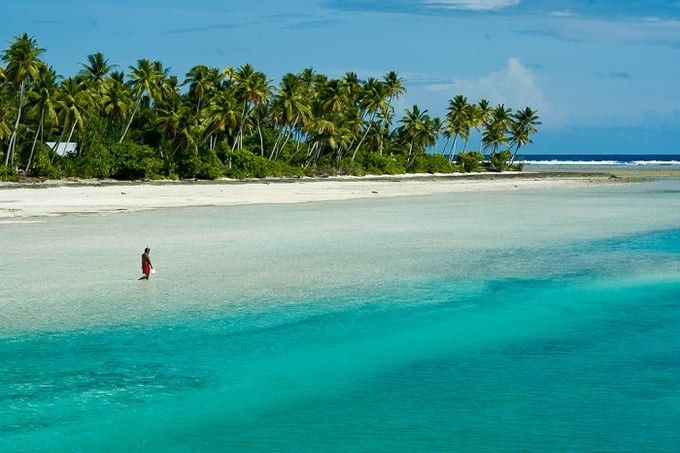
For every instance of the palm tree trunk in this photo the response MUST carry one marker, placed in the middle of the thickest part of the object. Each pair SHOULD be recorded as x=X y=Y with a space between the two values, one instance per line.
x=239 y=135
x=56 y=145
x=73 y=128
x=13 y=138
x=259 y=132
x=285 y=142
x=453 y=148
x=446 y=145
x=9 y=148
x=122 y=137
x=276 y=143
x=35 y=139
x=514 y=154
x=368 y=128
x=288 y=135
x=275 y=152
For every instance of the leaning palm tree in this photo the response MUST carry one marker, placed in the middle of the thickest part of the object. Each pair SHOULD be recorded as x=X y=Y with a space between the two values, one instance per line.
x=417 y=131
x=22 y=58
x=43 y=104
x=5 y=112
x=144 y=81
x=457 y=121
x=475 y=120
x=484 y=111
x=523 y=125
x=374 y=99
x=252 y=89
x=75 y=101
x=394 y=86
x=292 y=109
x=496 y=129
x=494 y=137
x=318 y=130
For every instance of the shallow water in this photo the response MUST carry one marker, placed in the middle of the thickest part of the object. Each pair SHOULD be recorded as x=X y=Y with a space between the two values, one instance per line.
x=528 y=320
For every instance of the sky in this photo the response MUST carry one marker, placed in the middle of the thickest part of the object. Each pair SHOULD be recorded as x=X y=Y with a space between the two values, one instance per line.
x=603 y=75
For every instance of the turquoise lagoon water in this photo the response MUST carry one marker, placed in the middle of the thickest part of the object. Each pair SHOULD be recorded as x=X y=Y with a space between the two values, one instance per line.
x=520 y=321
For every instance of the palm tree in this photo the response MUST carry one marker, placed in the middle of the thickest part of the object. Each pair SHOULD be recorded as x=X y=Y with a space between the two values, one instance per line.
x=96 y=68
x=144 y=81
x=22 y=58
x=394 y=87
x=457 y=122
x=332 y=98
x=292 y=108
x=418 y=130
x=115 y=100
x=523 y=124
x=318 y=129
x=373 y=100
x=475 y=120
x=252 y=88
x=437 y=128
x=43 y=104
x=382 y=132
x=352 y=85
x=203 y=83
x=485 y=110
x=223 y=114
x=118 y=76
x=494 y=137
x=169 y=120
x=496 y=129
x=75 y=100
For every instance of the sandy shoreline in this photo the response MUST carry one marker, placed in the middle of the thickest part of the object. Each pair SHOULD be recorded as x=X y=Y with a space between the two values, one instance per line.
x=52 y=198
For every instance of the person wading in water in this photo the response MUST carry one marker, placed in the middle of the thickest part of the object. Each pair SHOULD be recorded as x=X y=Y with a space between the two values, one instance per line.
x=146 y=264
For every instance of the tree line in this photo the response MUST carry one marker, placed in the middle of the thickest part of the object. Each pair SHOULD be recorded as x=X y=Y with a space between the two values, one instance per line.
x=147 y=124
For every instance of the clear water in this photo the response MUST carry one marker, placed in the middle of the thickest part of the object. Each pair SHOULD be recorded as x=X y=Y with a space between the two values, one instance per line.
x=522 y=321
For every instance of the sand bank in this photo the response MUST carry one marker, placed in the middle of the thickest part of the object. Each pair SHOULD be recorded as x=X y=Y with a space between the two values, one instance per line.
x=52 y=198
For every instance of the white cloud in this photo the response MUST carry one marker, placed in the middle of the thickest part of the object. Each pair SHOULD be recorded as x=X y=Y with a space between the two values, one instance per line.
x=562 y=14
x=473 y=5
x=515 y=86
x=648 y=30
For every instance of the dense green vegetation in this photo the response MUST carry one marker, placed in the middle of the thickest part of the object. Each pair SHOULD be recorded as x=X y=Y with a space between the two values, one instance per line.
x=147 y=124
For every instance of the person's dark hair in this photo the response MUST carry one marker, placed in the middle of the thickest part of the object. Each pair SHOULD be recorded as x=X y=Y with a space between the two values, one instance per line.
x=147 y=250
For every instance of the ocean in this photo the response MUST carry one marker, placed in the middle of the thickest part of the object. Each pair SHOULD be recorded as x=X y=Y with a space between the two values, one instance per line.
x=531 y=320
x=599 y=162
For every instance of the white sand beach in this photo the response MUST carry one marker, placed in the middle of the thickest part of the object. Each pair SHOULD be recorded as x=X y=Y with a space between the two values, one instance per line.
x=88 y=197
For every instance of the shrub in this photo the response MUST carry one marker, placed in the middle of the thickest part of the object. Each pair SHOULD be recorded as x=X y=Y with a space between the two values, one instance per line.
x=431 y=163
x=245 y=164
x=376 y=164
x=97 y=162
x=42 y=163
x=133 y=161
x=8 y=173
x=470 y=161
x=500 y=160
x=210 y=166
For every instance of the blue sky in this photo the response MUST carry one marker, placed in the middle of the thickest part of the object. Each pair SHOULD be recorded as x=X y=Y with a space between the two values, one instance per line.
x=603 y=75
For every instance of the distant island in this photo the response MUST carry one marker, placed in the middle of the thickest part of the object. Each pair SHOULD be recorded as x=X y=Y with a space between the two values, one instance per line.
x=147 y=124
